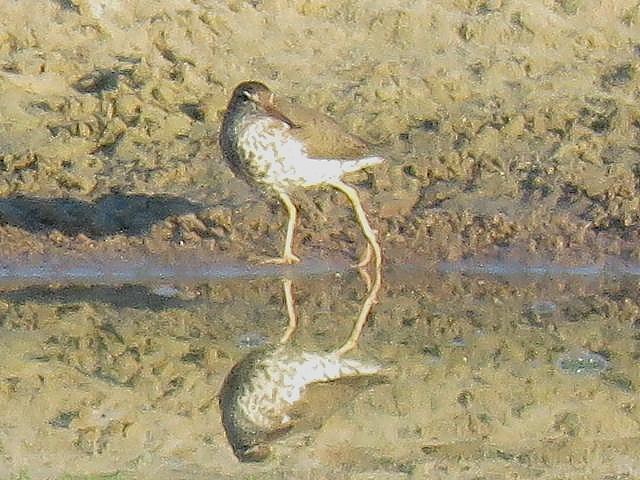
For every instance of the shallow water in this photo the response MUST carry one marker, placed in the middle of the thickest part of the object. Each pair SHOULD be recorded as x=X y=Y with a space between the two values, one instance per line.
x=181 y=267
x=489 y=377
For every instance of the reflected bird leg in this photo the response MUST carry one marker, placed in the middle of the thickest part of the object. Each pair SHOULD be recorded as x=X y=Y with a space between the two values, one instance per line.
x=370 y=235
x=364 y=261
x=371 y=300
x=366 y=257
x=287 y=255
x=291 y=313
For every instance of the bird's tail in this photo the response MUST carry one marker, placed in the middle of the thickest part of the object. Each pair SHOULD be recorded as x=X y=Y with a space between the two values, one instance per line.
x=349 y=166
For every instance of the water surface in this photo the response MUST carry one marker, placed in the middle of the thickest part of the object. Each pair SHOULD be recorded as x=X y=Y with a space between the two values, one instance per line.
x=489 y=372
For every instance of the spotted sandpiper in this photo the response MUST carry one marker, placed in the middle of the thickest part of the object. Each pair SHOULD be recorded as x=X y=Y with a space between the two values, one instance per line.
x=280 y=147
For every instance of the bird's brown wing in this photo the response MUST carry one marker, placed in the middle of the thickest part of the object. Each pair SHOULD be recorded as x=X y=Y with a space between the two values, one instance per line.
x=323 y=137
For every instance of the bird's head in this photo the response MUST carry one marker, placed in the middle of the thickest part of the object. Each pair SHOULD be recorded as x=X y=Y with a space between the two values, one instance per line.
x=253 y=92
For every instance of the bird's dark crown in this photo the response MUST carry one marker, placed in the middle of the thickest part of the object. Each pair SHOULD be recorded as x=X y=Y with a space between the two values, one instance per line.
x=255 y=92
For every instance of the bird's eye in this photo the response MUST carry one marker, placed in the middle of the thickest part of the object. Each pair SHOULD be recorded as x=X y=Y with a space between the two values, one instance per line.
x=251 y=96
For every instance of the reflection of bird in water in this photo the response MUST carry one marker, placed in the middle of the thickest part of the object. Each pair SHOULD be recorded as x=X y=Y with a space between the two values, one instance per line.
x=263 y=387
x=281 y=147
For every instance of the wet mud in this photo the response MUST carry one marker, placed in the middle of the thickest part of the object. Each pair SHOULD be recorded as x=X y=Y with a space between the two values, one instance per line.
x=508 y=212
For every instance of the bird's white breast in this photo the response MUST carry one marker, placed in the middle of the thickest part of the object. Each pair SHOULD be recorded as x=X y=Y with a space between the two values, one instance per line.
x=278 y=159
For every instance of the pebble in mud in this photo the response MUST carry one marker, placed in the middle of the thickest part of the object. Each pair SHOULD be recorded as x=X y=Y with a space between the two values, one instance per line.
x=582 y=362
x=542 y=308
x=536 y=313
x=251 y=340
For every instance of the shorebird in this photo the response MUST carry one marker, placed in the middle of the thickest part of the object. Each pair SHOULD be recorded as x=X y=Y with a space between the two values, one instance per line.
x=280 y=148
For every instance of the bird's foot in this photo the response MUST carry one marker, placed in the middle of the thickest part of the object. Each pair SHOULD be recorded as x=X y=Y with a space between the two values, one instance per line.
x=366 y=278
x=284 y=260
x=366 y=258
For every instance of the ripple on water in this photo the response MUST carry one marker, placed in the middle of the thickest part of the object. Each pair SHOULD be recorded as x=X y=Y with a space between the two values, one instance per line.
x=582 y=362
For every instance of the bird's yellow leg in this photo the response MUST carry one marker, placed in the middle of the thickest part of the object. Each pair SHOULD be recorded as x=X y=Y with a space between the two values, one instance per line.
x=369 y=233
x=291 y=313
x=287 y=255
x=366 y=278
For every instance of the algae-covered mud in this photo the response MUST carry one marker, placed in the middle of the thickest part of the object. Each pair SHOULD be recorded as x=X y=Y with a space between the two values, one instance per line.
x=508 y=212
